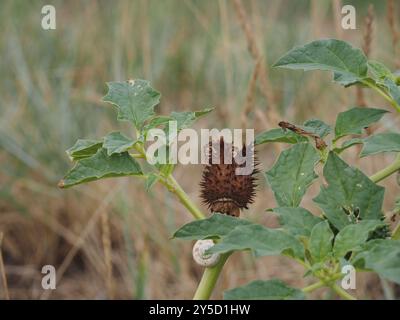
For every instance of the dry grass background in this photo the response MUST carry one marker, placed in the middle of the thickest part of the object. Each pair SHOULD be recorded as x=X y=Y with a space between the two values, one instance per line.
x=109 y=239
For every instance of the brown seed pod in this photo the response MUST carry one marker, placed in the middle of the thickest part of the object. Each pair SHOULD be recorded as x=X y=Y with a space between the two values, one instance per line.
x=222 y=189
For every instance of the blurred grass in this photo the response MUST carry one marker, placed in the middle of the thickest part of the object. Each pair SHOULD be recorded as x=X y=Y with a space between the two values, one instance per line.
x=196 y=54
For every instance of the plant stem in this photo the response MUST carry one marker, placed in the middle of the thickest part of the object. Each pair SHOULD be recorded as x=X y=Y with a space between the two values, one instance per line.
x=383 y=94
x=210 y=275
x=389 y=170
x=209 y=279
x=137 y=155
x=175 y=188
x=341 y=293
x=313 y=287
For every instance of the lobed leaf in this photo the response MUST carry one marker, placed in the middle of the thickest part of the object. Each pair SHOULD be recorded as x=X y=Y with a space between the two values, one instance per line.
x=351 y=237
x=116 y=142
x=353 y=121
x=261 y=240
x=348 y=64
x=134 y=99
x=348 y=188
x=183 y=120
x=186 y=118
x=381 y=256
x=317 y=127
x=264 y=290
x=101 y=166
x=379 y=70
x=393 y=89
x=292 y=174
x=320 y=244
x=216 y=226
x=381 y=142
x=84 y=148
x=298 y=221
x=278 y=135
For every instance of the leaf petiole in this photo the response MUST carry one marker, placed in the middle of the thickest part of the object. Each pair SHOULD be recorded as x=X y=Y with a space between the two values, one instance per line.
x=313 y=287
x=382 y=93
x=386 y=172
x=341 y=293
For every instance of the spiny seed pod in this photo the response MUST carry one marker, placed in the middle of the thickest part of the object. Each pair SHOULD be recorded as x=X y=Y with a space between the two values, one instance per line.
x=200 y=256
x=222 y=189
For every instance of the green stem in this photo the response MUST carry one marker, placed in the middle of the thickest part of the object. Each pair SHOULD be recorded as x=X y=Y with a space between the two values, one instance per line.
x=137 y=155
x=341 y=293
x=209 y=279
x=313 y=287
x=386 y=172
x=210 y=275
x=175 y=188
x=383 y=94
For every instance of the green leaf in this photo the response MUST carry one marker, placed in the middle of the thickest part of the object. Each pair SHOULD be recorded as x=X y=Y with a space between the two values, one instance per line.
x=379 y=70
x=116 y=142
x=186 y=118
x=381 y=256
x=381 y=142
x=354 y=120
x=134 y=99
x=292 y=174
x=348 y=188
x=264 y=290
x=351 y=237
x=84 y=148
x=183 y=120
x=278 y=135
x=320 y=244
x=393 y=89
x=101 y=166
x=216 y=226
x=150 y=181
x=348 y=64
x=155 y=122
x=261 y=240
x=298 y=221
x=317 y=127
x=347 y=144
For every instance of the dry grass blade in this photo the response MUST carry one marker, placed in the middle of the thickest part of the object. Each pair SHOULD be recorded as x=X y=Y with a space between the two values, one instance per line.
x=257 y=56
x=77 y=246
x=367 y=44
x=391 y=9
x=336 y=10
x=106 y=239
x=249 y=103
x=3 y=272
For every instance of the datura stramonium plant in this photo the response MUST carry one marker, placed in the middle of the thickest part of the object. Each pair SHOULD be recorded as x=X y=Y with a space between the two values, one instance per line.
x=349 y=227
